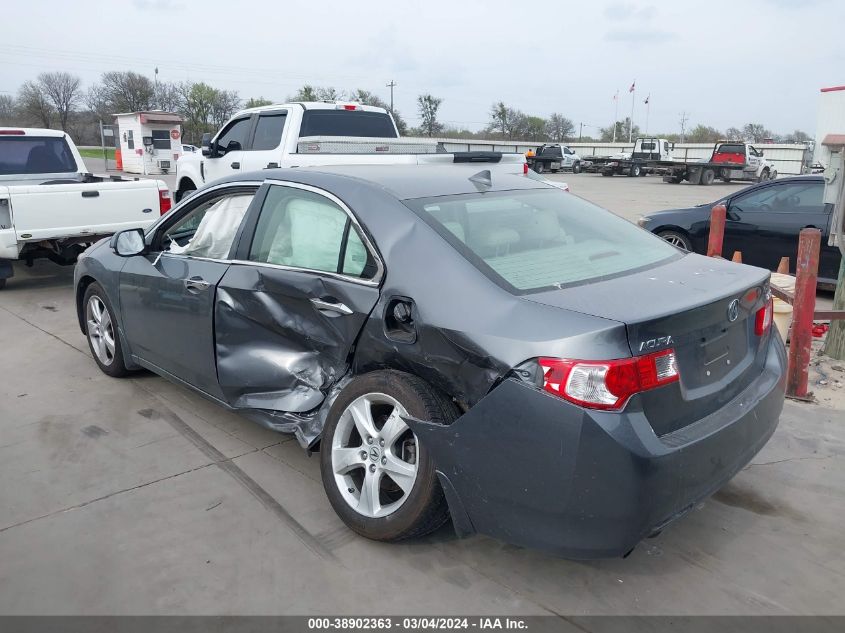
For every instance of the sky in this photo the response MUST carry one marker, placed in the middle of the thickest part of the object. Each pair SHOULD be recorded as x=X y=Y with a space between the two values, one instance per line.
x=722 y=63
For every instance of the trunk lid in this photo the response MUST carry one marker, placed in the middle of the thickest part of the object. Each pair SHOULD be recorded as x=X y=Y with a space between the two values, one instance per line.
x=704 y=309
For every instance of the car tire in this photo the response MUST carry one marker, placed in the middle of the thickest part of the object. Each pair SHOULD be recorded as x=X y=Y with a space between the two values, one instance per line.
x=773 y=174
x=707 y=177
x=538 y=167
x=411 y=505
x=764 y=176
x=2 y=283
x=606 y=172
x=101 y=332
x=676 y=238
x=576 y=168
x=634 y=171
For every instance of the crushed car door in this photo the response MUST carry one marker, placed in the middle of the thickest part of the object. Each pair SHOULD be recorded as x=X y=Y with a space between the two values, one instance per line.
x=291 y=306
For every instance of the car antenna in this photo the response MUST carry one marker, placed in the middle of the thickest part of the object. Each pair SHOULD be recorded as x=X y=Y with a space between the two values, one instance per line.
x=482 y=180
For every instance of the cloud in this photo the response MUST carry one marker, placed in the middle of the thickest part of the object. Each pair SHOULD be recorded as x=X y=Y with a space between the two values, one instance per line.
x=626 y=11
x=157 y=5
x=639 y=36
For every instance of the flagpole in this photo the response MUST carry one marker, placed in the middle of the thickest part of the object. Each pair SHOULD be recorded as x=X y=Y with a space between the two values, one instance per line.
x=647 y=107
x=615 y=115
x=631 y=120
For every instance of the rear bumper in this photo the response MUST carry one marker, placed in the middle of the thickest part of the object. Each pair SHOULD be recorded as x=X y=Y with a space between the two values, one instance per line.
x=531 y=469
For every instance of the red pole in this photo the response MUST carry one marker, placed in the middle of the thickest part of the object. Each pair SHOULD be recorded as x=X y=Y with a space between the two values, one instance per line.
x=801 y=337
x=717 y=230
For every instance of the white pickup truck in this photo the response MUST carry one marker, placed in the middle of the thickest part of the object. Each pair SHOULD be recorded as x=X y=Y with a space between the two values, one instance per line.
x=51 y=207
x=315 y=133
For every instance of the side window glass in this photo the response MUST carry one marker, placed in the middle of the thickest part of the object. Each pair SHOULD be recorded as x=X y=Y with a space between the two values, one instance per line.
x=237 y=131
x=757 y=201
x=302 y=229
x=268 y=131
x=209 y=230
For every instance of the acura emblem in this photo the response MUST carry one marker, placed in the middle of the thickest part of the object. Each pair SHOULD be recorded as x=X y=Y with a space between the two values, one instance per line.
x=733 y=310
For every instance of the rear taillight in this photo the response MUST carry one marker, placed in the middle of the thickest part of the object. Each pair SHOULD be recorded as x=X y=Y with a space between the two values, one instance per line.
x=524 y=169
x=607 y=384
x=12 y=133
x=347 y=106
x=763 y=318
x=165 y=202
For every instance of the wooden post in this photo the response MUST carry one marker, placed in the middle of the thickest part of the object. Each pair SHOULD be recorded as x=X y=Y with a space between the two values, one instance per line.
x=801 y=337
x=834 y=343
x=717 y=230
x=783 y=267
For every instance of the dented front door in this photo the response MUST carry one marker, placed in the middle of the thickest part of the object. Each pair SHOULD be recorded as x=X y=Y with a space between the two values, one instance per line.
x=287 y=315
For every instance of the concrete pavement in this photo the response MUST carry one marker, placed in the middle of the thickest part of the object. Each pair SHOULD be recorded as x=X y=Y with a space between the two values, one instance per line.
x=136 y=496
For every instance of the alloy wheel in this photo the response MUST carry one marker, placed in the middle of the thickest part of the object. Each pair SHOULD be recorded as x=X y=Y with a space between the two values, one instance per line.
x=374 y=455
x=100 y=330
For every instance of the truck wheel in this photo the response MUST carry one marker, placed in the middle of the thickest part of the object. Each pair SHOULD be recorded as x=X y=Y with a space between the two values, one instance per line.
x=773 y=174
x=606 y=172
x=184 y=189
x=538 y=167
x=764 y=175
x=2 y=283
x=576 y=168
x=707 y=177
x=379 y=479
x=677 y=239
x=101 y=332
x=634 y=171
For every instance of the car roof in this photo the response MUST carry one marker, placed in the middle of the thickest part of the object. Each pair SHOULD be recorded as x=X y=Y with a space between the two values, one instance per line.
x=403 y=182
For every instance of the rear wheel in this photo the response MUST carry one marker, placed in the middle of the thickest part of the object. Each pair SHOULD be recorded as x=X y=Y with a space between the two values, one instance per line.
x=676 y=239
x=606 y=172
x=378 y=477
x=538 y=166
x=634 y=171
x=101 y=331
x=707 y=177
x=2 y=283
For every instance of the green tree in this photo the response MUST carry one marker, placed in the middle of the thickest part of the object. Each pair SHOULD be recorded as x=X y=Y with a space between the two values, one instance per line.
x=703 y=134
x=254 y=102
x=428 y=105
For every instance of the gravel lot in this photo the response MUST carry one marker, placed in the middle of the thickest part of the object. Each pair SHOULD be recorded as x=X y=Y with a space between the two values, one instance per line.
x=136 y=496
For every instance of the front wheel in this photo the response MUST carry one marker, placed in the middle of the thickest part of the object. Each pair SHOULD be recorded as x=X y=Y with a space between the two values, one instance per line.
x=764 y=176
x=379 y=479
x=101 y=332
x=184 y=190
x=677 y=239
x=576 y=168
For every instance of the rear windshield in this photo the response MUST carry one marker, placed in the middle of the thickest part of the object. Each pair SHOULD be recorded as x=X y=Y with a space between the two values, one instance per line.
x=347 y=123
x=731 y=149
x=537 y=239
x=35 y=155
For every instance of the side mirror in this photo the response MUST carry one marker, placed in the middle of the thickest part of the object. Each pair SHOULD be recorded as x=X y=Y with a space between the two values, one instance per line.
x=205 y=143
x=233 y=146
x=128 y=243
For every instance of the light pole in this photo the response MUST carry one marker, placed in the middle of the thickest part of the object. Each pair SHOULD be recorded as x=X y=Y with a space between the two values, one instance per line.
x=391 y=85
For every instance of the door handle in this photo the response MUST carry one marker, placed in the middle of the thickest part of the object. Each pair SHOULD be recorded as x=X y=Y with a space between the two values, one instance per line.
x=90 y=194
x=340 y=308
x=236 y=165
x=196 y=284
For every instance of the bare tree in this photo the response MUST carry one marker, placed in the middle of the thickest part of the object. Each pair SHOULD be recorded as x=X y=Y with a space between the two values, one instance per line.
x=128 y=91
x=756 y=132
x=499 y=118
x=63 y=91
x=34 y=104
x=559 y=128
x=166 y=96
x=428 y=106
x=8 y=109
x=223 y=105
x=735 y=134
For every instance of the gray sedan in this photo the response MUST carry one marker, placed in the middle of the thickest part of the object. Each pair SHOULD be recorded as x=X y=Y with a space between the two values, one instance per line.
x=455 y=343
